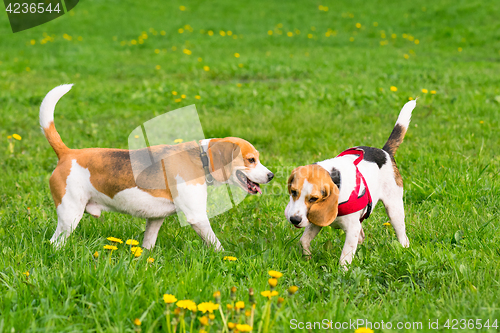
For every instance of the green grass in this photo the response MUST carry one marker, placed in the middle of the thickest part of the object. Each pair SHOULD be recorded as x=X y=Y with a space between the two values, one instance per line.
x=301 y=100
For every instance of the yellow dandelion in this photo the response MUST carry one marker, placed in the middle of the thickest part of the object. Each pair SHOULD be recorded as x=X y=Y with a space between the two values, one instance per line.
x=136 y=250
x=481 y=121
x=110 y=247
x=197 y=97
x=272 y=282
x=115 y=240
x=200 y=59
x=206 y=68
x=393 y=88
x=180 y=30
x=16 y=136
x=231 y=325
x=239 y=305
x=210 y=33
x=417 y=41
x=133 y=42
x=169 y=299
x=244 y=327
x=203 y=320
x=222 y=33
x=358 y=25
x=187 y=304
x=275 y=274
x=174 y=93
x=269 y=293
x=158 y=67
x=33 y=42
x=433 y=92
x=351 y=39
x=240 y=65
x=269 y=32
x=229 y=306
x=157 y=51
x=137 y=322
x=177 y=100
x=292 y=290
x=151 y=260
x=411 y=38
x=375 y=24
x=239 y=85
x=460 y=49
x=207 y=307
x=386 y=224
x=363 y=330
x=186 y=51
x=96 y=254
x=9 y=137
x=237 y=55
x=406 y=56
x=309 y=35
x=183 y=96
x=410 y=98
x=289 y=34
x=163 y=32
x=425 y=91
x=182 y=8
x=26 y=273
x=248 y=313
x=132 y=242
x=230 y=258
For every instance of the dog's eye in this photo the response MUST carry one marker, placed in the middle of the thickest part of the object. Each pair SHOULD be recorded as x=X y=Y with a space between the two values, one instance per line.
x=294 y=193
x=251 y=160
x=313 y=199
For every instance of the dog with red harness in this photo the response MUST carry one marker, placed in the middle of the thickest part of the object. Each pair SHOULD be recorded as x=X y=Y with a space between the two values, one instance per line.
x=342 y=191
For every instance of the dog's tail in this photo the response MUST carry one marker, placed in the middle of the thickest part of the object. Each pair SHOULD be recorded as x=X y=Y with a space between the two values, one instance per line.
x=47 y=118
x=399 y=130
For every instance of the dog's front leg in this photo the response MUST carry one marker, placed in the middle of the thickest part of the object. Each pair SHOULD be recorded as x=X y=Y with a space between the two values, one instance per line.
x=204 y=230
x=310 y=233
x=352 y=229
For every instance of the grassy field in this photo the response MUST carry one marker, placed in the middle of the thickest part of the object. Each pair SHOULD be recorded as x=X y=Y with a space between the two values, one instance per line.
x=301 y=82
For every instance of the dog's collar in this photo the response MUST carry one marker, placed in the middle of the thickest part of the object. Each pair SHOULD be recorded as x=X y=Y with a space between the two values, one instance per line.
x=205 y=161
x=355 y=202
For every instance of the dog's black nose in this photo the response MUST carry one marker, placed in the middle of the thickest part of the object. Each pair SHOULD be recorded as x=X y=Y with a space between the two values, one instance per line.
x=270 y=176
x=295 y=219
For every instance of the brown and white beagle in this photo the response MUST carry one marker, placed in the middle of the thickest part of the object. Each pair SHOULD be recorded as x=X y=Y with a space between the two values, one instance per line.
x=342 y=191
x=98 y=179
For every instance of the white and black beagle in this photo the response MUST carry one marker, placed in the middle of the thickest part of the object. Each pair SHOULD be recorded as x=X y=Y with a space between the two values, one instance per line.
x=342 y=191
x=99 y=179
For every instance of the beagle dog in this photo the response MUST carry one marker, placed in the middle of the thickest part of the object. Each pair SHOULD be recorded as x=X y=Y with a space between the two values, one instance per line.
x=98 y=179
x=342 y=191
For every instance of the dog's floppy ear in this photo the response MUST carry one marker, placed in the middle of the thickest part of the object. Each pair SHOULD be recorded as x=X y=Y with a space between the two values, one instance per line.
x=221 y=156
x=291 y=179
x=324 y=211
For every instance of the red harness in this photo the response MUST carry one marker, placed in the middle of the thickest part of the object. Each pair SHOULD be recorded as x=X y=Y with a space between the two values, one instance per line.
x=356 y=203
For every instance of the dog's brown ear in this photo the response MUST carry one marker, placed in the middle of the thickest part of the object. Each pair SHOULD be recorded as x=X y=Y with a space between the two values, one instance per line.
x=222 y=155
x=324 y=211
x=291 y=179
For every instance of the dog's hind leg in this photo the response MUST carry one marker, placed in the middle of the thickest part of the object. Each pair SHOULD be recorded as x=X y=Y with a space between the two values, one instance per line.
x=151 y=233
x=395 y=210
x=69 y=214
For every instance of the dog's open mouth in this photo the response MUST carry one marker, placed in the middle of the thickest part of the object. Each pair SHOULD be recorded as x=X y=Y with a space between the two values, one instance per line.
x=251 y=186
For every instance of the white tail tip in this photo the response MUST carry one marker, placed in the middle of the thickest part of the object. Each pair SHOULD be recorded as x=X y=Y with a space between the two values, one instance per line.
x=49 y=104
x=405 y=114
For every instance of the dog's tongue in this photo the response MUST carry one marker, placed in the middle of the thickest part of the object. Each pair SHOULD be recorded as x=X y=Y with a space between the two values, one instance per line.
x=254 y=186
